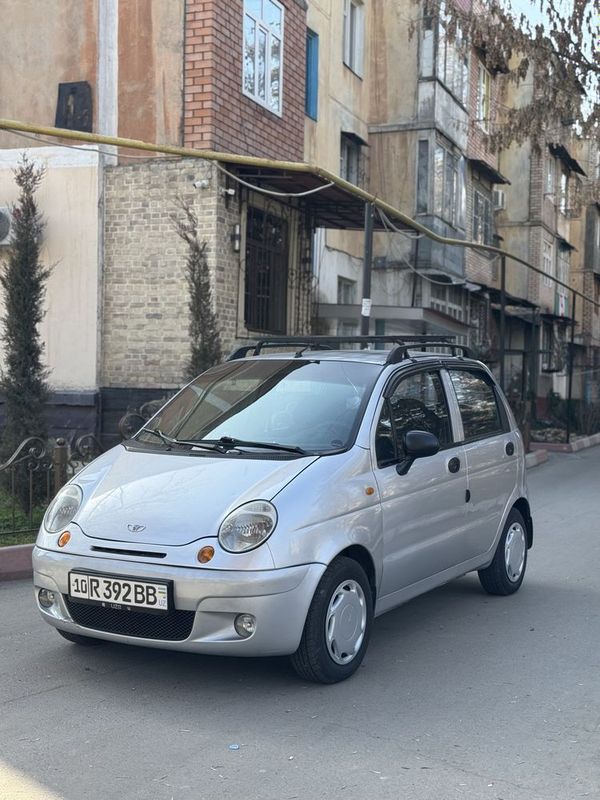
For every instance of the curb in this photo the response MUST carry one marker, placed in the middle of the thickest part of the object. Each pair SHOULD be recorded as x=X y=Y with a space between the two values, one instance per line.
x=535 y=458
x=15 y=562
x=558 y=447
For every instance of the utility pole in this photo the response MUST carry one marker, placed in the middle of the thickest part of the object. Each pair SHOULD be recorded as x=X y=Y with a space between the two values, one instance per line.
x=365 y=311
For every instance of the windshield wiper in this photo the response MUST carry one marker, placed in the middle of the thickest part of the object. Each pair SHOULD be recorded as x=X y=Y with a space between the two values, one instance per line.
x=169 y=440
x=229 y=442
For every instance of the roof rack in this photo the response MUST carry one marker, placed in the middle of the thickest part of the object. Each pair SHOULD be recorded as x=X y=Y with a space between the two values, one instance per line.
x=397 y=354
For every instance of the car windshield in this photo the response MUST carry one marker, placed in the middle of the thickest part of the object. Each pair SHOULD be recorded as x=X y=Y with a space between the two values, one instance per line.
x=312 y=405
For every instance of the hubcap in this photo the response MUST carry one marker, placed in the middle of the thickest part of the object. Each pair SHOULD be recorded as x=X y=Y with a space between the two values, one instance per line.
x=345 y=622
x=515 y=548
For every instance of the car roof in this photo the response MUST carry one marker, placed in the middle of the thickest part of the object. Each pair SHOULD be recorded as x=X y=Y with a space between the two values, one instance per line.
x=368 y=356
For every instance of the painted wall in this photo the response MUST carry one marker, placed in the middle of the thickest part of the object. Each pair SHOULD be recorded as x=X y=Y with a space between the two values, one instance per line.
x=63 y=50
x=148 y=40
x=68 y=199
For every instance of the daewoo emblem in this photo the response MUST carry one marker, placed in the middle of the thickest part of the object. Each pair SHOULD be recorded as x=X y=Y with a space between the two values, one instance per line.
x=136 y=528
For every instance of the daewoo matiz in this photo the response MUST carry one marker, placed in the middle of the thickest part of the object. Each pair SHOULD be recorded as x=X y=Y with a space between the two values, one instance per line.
x=281 y=501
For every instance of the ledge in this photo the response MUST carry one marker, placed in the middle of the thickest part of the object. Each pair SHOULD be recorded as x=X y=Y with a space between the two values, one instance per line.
x=562 y=447
x=15 y=562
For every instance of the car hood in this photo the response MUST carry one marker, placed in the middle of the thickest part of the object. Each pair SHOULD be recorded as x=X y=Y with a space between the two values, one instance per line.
x=168 y=499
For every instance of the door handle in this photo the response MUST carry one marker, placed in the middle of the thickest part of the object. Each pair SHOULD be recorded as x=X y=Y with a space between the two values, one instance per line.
x=454 y=464
x=509 y=448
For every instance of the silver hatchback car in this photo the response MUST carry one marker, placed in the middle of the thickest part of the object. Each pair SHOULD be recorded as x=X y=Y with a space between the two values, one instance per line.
x=281 y=501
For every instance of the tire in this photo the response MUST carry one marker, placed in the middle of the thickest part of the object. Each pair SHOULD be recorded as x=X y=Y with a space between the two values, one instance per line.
x=76 y=638
x=329 y=659
x=502 y=578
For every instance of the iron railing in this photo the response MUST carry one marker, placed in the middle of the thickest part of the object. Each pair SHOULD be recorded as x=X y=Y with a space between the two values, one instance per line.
x=32 y=476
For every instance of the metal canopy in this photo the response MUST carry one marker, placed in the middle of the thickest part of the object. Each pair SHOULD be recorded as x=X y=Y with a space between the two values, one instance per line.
x=331 y=207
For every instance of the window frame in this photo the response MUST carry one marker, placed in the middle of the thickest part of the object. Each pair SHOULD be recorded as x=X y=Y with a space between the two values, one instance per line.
x=348 y=145
x=353 y=36
x=345 y=284
x=548 y=247
x=260 y=24
x=500 y=408
x=484 y=97
x=457 y=167
x=394 y=381
x=311 y=95
x=482 y=223
x=458 y=51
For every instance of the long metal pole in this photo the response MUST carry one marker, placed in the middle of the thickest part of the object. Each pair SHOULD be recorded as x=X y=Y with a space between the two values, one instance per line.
x=365 y=311
x=502 y=317
x=571 y=360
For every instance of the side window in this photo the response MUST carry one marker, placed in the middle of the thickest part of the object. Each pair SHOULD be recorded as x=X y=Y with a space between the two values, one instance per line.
x=477 y=404
x=418 y=403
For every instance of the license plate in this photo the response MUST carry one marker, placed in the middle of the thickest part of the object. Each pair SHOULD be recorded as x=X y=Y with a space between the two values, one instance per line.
x=119 y=593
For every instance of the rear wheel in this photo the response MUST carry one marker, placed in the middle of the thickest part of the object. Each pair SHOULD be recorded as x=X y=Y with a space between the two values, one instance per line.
x=506 y=572
x=338 y=624
x=76 y=638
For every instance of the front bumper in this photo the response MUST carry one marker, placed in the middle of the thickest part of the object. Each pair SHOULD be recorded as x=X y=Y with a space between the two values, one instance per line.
x=279 y=600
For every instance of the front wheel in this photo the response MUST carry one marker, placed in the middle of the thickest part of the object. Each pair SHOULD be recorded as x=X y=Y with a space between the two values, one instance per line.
x=506 y=572
x=338 y=624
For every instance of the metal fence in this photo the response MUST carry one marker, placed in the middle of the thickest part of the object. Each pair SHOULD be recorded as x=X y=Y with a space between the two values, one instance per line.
x=31 y=477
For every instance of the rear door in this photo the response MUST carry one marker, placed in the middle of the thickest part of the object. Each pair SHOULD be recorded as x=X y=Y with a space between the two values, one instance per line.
x=424 y=511
x=491 y=450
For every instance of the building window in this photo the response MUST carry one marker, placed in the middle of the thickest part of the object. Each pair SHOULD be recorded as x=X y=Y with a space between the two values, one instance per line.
x=449 y=300
x=346 y=292
x=449 y=187
x=354 y=24
x=423 y=177
x=267 y=252
x=453 y=62
x=564 y=191
x=482 y=218
x=562 y=273
x=350 y=158
x=550 y=172
x=312 y=74
x=548 y=262
x=263 y=52
x=484 y=91
x=379 y=331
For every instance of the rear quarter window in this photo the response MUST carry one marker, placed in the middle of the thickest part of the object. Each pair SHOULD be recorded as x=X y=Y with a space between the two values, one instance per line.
x=478 y=404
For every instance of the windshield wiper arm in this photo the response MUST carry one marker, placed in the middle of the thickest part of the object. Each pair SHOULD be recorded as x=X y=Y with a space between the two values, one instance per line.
x=230 y=442
x=169 y=440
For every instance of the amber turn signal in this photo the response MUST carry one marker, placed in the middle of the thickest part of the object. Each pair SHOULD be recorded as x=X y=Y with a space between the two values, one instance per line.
x=64 y=538
x=205 y=554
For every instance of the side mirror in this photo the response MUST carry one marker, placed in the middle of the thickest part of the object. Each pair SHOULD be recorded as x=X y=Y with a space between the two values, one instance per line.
x=417 y=444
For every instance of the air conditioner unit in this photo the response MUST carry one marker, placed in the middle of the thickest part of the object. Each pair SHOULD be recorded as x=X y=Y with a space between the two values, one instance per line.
x=499 y=199
x=6 y=226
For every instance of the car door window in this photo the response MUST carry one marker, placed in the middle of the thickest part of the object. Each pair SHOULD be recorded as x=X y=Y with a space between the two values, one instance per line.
x=417 y=403
x=477 y=403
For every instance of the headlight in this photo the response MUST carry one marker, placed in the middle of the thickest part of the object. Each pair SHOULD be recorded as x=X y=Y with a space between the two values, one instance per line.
x=63 y=508
x=248 y=526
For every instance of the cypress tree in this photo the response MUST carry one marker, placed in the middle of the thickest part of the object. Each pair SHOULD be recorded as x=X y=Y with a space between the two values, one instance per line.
x=204 y=334
x=23 y=279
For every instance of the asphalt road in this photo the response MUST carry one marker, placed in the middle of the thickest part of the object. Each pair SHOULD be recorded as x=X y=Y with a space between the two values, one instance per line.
x=460 y=695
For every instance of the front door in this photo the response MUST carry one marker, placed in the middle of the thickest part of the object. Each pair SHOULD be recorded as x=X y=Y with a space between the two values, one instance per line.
x=424 y=511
